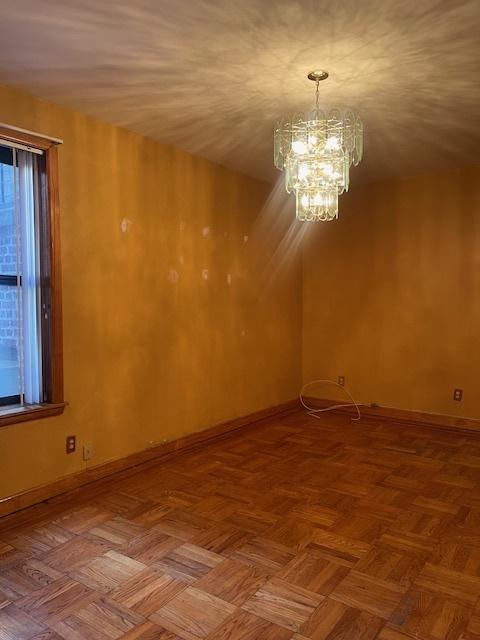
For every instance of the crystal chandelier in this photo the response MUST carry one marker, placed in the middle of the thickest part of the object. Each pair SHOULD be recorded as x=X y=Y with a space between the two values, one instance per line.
x=316 y=153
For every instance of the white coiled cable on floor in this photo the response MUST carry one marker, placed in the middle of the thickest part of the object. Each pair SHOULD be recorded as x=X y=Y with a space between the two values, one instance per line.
x=312 y=411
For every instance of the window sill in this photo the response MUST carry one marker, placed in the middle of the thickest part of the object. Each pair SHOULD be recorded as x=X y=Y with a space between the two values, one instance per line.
x=12 y=415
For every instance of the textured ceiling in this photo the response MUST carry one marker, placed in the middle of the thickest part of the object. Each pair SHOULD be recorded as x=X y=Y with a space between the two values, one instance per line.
x=211 y=76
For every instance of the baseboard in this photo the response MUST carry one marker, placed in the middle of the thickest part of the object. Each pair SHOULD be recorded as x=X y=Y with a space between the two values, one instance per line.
x=130 y=464
x=404 y=416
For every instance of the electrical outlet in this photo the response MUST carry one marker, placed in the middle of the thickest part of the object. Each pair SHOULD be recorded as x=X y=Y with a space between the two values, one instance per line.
x=70 y=444
x=87 y=451
x=341 y=381
x=458 y=394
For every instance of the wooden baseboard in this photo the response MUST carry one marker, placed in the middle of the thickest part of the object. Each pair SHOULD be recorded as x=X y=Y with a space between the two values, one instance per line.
x=130 y=464
x=404 y=416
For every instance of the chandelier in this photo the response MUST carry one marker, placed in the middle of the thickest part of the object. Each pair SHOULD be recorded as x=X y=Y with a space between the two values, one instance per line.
x=316 y=153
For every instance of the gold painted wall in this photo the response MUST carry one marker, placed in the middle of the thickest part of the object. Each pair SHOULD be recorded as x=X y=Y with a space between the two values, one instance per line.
x=392 y=294
x=157 y=342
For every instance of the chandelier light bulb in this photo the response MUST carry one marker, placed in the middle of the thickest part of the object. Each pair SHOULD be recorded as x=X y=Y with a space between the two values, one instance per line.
x=299 y=147
x=332 y=143
x=315 y=152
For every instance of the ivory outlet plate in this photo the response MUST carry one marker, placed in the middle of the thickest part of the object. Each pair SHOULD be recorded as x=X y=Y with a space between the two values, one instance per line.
x=70 y=444
x=87 y=451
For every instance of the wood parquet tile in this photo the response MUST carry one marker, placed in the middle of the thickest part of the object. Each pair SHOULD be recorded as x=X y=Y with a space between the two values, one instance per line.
x=56 y=600
x=183 y=525
x=149 y=631
x=74 y=553
x=188 y=562
x=39 y=540
x=295 y=529
x=193 y=614
x=456 y=585
x=101 y=619
x=107 y=572
x=264 y=554
x=430 y=616
x=314 y=574
x=116 y=532
x=367 y=593
x=334 y=620
x=147 y=592
x=48 y=634
x=246 y=626
x=150 y=546
x=232 y=581
x=15 y=623
x=282 y=603
x=337 y=548
x=22 y=579
x=80 y=520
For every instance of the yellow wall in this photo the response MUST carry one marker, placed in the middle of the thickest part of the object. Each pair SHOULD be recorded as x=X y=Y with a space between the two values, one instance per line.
x=392 y=294
x=148 y=356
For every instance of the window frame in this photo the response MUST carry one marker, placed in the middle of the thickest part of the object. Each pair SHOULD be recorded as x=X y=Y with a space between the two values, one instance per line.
x=50 y=281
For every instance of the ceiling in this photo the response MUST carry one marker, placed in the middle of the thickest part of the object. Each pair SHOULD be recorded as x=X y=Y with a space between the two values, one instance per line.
x=212 y=76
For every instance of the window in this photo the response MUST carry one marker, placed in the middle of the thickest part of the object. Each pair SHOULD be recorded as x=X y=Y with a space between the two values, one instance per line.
x=31 y=382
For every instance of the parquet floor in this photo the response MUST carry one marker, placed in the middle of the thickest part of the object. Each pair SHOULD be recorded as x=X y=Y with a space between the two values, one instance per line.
x=292 y=529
